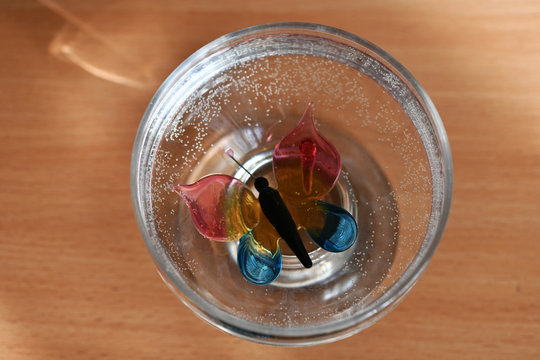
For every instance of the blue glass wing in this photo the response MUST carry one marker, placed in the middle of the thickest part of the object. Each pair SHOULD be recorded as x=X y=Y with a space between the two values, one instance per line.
x=258 y=265
x=335 y=230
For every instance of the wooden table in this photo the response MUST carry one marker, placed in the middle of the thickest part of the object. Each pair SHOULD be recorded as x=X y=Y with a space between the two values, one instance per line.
x=76 y=281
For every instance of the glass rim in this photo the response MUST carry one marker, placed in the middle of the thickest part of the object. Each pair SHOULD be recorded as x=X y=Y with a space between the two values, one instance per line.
x=295 y=335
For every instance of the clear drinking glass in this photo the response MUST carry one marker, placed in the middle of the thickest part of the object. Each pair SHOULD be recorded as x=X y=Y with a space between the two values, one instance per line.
x=245 y=91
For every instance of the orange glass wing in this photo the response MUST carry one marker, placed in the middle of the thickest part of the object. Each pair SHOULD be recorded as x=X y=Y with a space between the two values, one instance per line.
x=307 y=166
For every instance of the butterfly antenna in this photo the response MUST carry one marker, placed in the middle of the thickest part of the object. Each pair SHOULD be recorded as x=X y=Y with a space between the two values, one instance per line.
x=230 y=154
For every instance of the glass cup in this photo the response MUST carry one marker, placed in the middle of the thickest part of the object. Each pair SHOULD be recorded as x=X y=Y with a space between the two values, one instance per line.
x=245 y=91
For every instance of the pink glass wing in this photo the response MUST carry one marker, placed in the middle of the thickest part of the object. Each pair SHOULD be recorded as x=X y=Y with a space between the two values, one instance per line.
x=306 y=165
x=222 y=207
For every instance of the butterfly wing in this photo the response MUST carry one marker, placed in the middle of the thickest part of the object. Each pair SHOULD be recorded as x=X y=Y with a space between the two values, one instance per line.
x=258 y=264
x=329 y=226
x=224 y=209
x=259 y=255
x=307 y=166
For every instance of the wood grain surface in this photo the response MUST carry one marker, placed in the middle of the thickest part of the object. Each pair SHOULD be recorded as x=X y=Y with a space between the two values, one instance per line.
x=76 y=281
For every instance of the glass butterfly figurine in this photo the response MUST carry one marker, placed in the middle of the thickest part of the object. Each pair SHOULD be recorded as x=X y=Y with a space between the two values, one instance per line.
x=306 y=167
